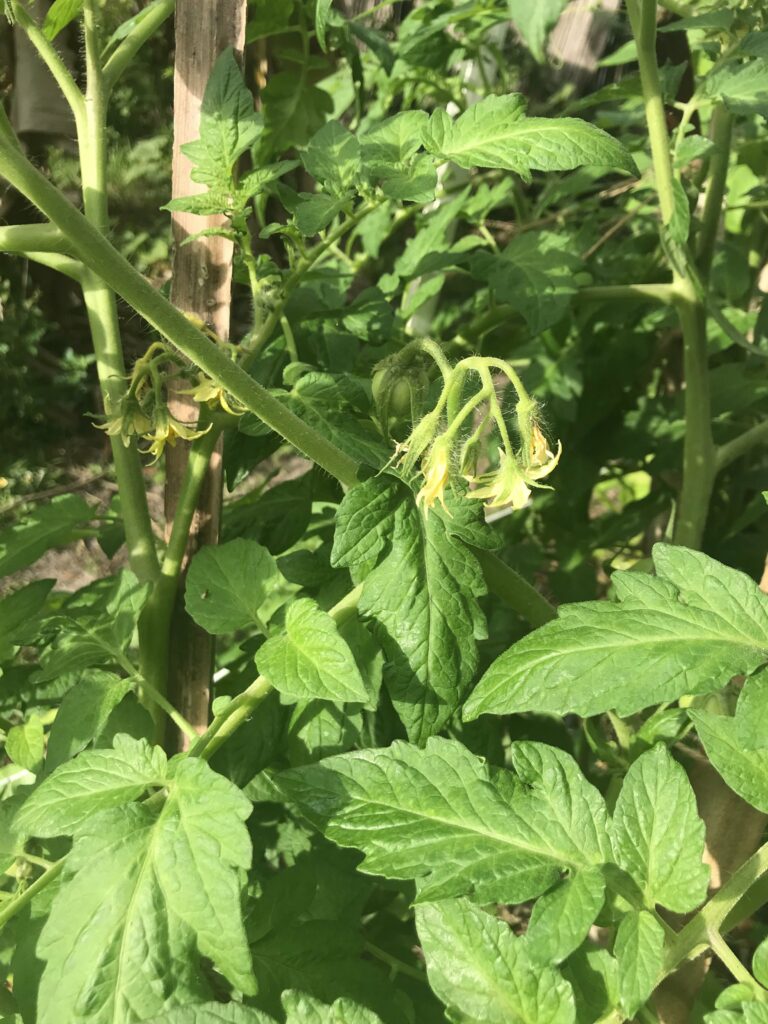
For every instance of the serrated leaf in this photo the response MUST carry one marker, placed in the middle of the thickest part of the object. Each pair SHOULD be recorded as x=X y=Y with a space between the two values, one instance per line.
x=562 y=918
x=480 y=970
x=390 y=157
x=428 y=631
x=48 y=526
x=639 y=950
x=83 y=715
x=213 y=1013
x=687 y=630
x=438 y=816
x=98 y=632
x=59 y=15
x=535 y=274
x=760 y=963
x=332 y=156
x=658 y=837
x=316 y=211
x=495 y=133
x=25 y=744
x=311 y=660
x=301 y=1008
x=742 y=87
x=229 y=586
x=229 y=124
x=144 y=889
x=535 y=21
x=92 y=782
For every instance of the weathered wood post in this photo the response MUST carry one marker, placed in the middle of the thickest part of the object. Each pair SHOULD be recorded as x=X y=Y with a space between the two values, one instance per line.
x=202 y=279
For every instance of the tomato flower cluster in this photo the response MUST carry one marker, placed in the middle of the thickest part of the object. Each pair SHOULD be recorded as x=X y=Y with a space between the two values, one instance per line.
x=451 y=439
x=143 y=410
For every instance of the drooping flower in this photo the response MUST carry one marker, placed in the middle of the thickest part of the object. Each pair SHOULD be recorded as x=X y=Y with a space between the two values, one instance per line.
x=209 y=393
x=168 y=430
x=509 y=486
x=436 y=469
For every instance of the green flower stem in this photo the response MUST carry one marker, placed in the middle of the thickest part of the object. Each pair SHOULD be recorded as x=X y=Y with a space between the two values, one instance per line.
x=100 y=256
x=720 y=132
x=13 y=906
x=698 y=448
x=732 y=450
x=130 y=46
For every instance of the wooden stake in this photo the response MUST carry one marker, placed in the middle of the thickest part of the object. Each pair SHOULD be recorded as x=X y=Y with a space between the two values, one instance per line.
x=202 y=280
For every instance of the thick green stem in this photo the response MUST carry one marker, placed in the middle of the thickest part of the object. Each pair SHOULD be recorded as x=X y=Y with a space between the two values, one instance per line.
x=105 y=336
x=699 y=449
x=720 y=132
x=698 y=446
x=101 y=309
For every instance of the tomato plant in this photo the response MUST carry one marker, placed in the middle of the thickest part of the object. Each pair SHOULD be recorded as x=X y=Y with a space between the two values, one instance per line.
x=485 y=738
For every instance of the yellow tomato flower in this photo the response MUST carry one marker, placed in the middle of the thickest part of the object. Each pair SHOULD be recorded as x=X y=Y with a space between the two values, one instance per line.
x=510 y=485
x=436 y=469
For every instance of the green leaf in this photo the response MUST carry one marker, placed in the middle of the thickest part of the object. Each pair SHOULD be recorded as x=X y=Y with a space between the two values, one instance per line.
x=49 y=526
x=316 y=211
x=213 y=1013
x=390 y=157
x=437 y=815
x=658 y=837
x=535 y=274
x=689 y=629
x=303 y=1009
x=760 y=963
x=482 y=972
x=19 y=615
x=742 y=87
x=562 y=918
x=98 y=631
x=738 y=746
x=145 y=888
x=594 y=977
x=534 y=21
x=59 y=15
x=495 y=133
x=83 y=715
x=332 y=156
x=428 y=631
x=322 y=14
x=95 y=780
x=639 y=949
x=294 y=109
x=233 y=586
x=25 y=744
x=310 y=660
x=229 y=124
